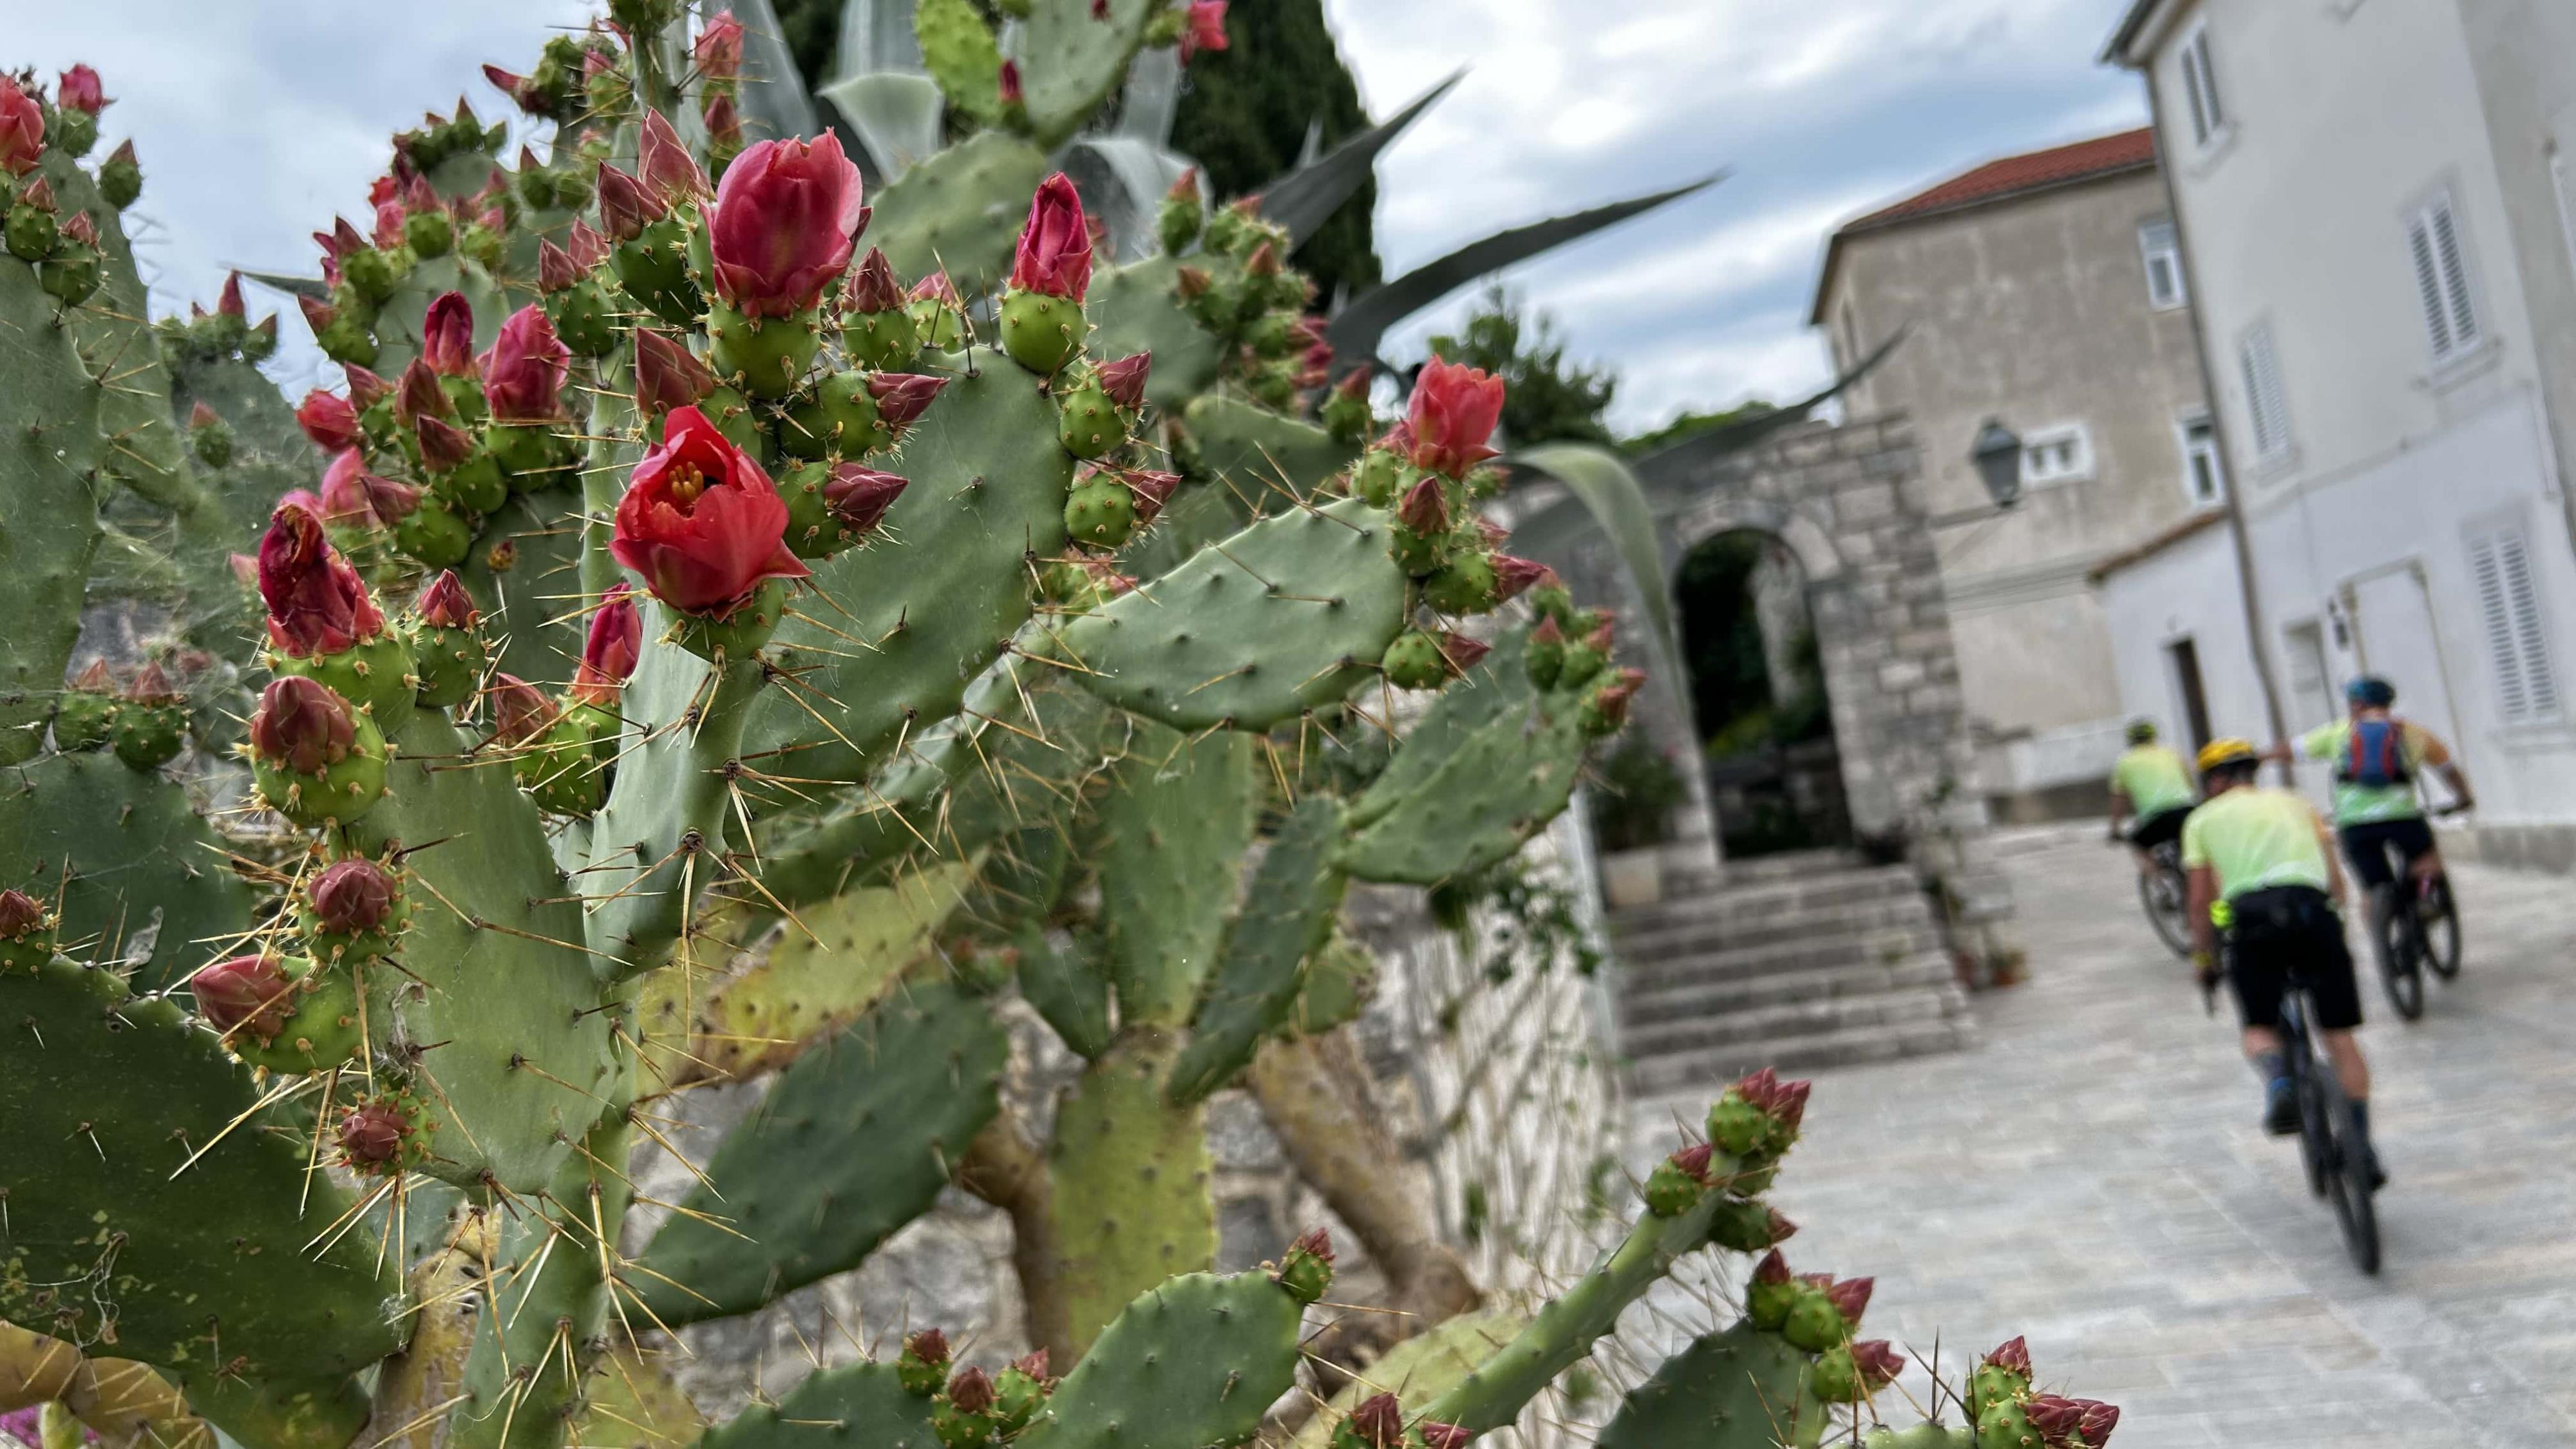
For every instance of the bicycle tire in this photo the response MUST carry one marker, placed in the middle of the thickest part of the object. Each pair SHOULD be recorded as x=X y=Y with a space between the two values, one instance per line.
x=2164 y=876
x=2316 y=1145
x=2348 y=1180
x=2400 y=949
x=2445 y=960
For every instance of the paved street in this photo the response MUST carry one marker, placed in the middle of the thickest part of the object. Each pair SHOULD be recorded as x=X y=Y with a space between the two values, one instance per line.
x=2092 y=1176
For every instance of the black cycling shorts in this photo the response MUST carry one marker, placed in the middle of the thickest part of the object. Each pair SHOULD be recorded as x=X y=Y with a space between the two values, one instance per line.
x=2367 y=845
x=2286 y=930
x=2162 y=828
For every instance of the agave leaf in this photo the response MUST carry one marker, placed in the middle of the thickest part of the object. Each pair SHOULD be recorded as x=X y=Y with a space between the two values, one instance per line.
x=774 y=102
x=1605 y=485
x=1304 y=199
x=313 y=287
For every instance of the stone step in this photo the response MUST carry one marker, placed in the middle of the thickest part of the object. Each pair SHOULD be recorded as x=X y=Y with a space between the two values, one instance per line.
x=1754 y=1025
x=1736 y=901
x=1643 y=1013
x=1819 y=922
x=1707 y=1072
x=1643 y=977
x=1792 y=864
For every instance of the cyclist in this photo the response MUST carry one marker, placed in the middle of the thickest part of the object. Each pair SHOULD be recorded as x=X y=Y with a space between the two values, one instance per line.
x=2377 y=757
x=2264 y=853
x=2149 y=783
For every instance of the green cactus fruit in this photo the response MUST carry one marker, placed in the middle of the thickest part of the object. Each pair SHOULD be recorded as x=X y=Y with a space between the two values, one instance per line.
x=653 y=267
x=1091 y=425
x=72 y=275
x=561 y=769
x=1020 y=1391
x=1179 y=222
x=1414 y=661
x=433 y=534
x=31 y=231
x=1605 y=710
x=1272 y=335
x=1101 y=513
x=2003 y=1376
x=1771 y=1294
x=352 y=910
x=941 y=327
x=964 y=1417
x=1554 y=601
x=530 y=455
x=150 y=732
x=1306 y=1271
x=86 y=717
x=887 y=341
x=387 y=1135
x=1835 y=1379
x=1544 y=655
x=1678 y=1182
x=766 y=357
x=741 y=632
x=923 y=1366
x=1348 y=418
x=27 y=933
x=585 y=319
x=429 y=233
x=1041 y=332
x=1746 y=1225
x=374 y=675
x=1814 y=1323
x=1465 y=585
x=2005 y=1424
x=339 y=792
x=473 y=486
x=371 y=273
x=322 y=1031
x=72 y=131
x=838 y=421
x=211 y=439
x=449 y=663
x=120 y=177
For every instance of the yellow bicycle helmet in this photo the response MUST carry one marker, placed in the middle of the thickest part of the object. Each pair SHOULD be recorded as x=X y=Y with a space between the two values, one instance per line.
x=2220 y=754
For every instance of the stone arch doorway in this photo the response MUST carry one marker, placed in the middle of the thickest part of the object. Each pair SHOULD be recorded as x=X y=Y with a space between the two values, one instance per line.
x=1755 y=668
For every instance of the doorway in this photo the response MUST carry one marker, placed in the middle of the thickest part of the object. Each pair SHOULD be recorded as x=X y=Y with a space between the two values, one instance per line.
x=2185 y=660
x=1757 y=685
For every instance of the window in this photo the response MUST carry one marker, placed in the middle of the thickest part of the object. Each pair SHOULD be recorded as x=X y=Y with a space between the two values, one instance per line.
x=2264 y=402
x=2057 y=455
x=2517 y=638
x=2442 y=278
x=2203 y=480
x=2200 y=88
x=2309 y=685
x=2164 y=264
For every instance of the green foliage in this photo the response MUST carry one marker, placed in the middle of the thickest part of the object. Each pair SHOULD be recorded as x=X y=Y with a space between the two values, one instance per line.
x=1546 y=398
x=1690 y=424
x=1633 y=806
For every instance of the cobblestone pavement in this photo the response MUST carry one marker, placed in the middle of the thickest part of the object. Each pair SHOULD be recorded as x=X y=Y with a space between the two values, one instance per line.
x=2091 y=1175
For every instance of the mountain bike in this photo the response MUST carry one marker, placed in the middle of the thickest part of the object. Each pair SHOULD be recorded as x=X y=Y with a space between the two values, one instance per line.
x=2166 y=894
x=2337 y=1169
x=2414 y=923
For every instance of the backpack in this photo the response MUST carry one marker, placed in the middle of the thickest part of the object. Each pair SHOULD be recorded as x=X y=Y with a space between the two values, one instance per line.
x=2375 y=755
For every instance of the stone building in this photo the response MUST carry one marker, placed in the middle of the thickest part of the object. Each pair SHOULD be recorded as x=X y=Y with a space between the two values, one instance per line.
x=2042 y=291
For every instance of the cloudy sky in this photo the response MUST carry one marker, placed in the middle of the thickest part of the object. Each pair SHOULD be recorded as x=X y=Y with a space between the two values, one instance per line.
x=257 y=119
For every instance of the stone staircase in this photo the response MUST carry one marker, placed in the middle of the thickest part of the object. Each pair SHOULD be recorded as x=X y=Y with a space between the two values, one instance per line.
x=1798 y=962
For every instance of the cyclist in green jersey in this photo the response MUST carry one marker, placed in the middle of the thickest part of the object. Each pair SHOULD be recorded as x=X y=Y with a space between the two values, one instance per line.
x=2265 y=854
x=2377 y=758
x=2149 y=784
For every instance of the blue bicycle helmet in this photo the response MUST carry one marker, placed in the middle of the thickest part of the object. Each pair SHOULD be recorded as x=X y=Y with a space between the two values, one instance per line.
x=2371 y=692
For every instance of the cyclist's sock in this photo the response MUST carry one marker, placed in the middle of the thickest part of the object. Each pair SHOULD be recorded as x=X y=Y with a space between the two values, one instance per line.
x=2269 y=1067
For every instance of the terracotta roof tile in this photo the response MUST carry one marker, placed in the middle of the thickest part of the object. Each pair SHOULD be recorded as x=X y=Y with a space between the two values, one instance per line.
x=2013 y=174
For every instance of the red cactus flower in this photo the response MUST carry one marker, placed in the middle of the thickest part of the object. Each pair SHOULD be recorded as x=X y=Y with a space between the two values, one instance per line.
x=445 y=604
x=443 y=445
x=1773 y=1269
x=625 y=206
x=80 y=90
x=1424 y=508
x=970 y=1391
x=701 y=522
x=302 y=723
x=1150 y=490
x=1454 y=411
x=665 y=168
x=352 y=895
x=1377 y=1422
x=784 y=225
x=388 y=233
x=719 y=47
x=1514 y=576
x=608 y=655
x=317 y=604
x=585 y=245
x=555 y=269
x=1124 y=379
x=1878 y=1361
x=523 y=371
x=20 y=914
x=1851 y=1296
x=1461 y=652
x=2098 y=1422
x=447 y=335
x=667 y=374
x=328 y=419
x=859 y=497
x=22 y=129
x=1202 y=28
x=520 y=711
x=872 y=286
x=245 y=996
x=902 y=397
x=344 y=499
x=1054 y=254
x=1693 y=1162
x=937 y=288
x=373 y=1133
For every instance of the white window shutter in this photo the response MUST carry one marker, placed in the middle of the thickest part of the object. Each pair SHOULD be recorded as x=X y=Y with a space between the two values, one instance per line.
x=2428 y=283
x=2265 y=402
x=2530 y=630
x=2441 y=260
x=2516 y=630
x=2455 y=274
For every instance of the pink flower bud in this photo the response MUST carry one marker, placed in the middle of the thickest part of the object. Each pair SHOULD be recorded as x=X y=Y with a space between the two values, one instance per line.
x=373 y=1133
x=722 y=120
x=666 y=168
x=444 y=446
x=389 y=500
x=302 y=724
x=1191 y=282
x=1453 y=413
x=872 y=286
x=524 y=370
x=859 y=497
x=39 y=194
x=1012 y=94
x=229 y=301
x=520 y=711
x=667 y=374
x=1612 y=700
x=447 y=335
x=1461 y=652
x=1150 y=490
x=1514 y=576
x=1851 y=1296
x=344 y=500
x=1773 y=1269
x=2098 y=1422
x=329 y=420
x=902 y=397
x=317 y=604
x=1782 y=1230
x=96 y=679
x=152 y=686
x=1424 y=508
x=1100 y=9
x=366 y=389
x=388 y=233
x=1202 y=28
x=608 y=655
x=318 y=314
x=418 y=395
x=202 y=417
x=2054 y=1417
x=22 y=129
x=2013 y=1356
x=937 y=288
x=1879 y=1363
x=513 y=86
x=555 y=269
x=1693 y=1162
x=1186 y=189
x=625 y=206
x=80 y=90
x=971 y=1391
x=1124 y=379
x=784 y=224
x=245 y=996
x=352 y=896
x=20 y=915
x=445 y=604
x=930 y=1346
x=585 y=245
x=85 y=231
x=1789 y=1105
x=1054 y=253
x=388 y=187
x=719 y=47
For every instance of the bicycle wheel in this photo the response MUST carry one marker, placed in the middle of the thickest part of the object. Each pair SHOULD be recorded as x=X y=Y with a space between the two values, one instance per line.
x=2348 y=1178
x=2400 y=951
x=2441 y=931
x=2167 y=900
x=2313 y=1143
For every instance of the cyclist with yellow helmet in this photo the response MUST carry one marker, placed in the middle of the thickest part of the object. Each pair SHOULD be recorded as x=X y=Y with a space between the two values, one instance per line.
x=2268 y=858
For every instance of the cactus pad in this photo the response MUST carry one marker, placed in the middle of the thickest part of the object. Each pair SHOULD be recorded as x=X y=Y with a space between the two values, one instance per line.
x=1170 y=831
x=1065 y=985
x=1420 y=1368
x=1259 y=452
x=1190 y=1364
x=1075 y=57
x=959 y=210
x=862 y=1406
x=1732 y=1390
x=49 y=450
x=1287 y=916
x=1135 y=309
x=1130 y=1173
